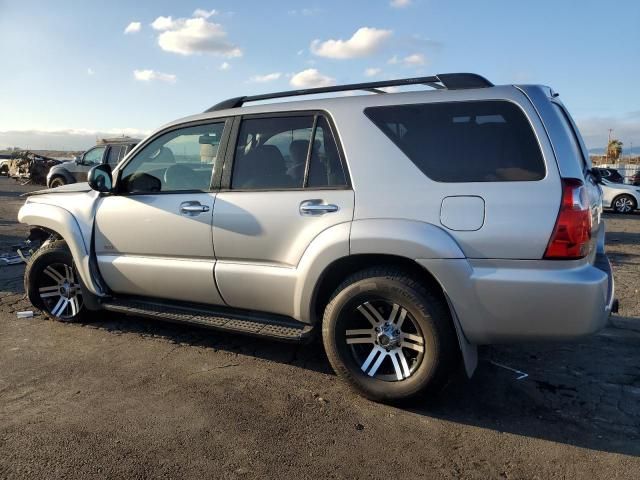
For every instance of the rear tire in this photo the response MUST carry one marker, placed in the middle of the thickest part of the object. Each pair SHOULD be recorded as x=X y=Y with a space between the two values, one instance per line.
x=57 y=182
x=388 y=336
x=624 y=204
x=53 y=285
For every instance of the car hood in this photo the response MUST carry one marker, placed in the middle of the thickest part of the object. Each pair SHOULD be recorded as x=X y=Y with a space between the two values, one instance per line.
x=70 y=188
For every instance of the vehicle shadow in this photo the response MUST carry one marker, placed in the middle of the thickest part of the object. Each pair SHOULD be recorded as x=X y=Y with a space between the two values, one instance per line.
x=584 y=394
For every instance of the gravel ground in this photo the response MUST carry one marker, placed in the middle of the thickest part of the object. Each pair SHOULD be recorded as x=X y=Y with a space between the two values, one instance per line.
x=129 y=398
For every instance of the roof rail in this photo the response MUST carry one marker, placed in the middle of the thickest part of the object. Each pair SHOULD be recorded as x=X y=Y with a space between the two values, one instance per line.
x=450 y=81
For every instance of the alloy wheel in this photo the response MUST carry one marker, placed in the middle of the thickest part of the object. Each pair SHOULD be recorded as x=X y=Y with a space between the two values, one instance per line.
x=60 y=291
x=623 y=205
x=384 y=340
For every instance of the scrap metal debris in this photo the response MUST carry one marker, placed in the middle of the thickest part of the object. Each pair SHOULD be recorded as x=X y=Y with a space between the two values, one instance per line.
x=23 y=252
x=31 y=167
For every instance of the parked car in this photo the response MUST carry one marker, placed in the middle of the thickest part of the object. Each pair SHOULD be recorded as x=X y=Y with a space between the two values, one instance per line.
x=4 y=164
x=620 y=198
x=610 y=174
x=406 y=228
x=109 y=151
x=635 y=179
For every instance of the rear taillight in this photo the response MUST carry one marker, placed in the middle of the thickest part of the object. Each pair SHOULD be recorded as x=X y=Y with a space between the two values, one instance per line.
x=572 y=233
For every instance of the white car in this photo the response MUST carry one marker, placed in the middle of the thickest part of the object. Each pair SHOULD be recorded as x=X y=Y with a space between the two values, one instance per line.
x=619 y=197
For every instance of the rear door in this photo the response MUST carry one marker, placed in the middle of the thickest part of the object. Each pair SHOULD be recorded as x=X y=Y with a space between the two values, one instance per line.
x=284 y=183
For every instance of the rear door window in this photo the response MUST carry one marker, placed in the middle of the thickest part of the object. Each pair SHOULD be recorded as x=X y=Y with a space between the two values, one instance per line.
x=479 y=141
x=289 y=152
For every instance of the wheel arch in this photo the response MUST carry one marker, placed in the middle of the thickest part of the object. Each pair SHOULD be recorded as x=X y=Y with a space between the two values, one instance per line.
x=68 y=178
x=625 y=194
x=60 y=222
x=333 y=275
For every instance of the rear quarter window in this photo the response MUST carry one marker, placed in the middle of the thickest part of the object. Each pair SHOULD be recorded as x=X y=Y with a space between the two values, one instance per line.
x=481 y=141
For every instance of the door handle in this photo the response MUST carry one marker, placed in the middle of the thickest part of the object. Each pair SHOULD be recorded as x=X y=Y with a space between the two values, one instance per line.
x=316 y=207
x=193 y=208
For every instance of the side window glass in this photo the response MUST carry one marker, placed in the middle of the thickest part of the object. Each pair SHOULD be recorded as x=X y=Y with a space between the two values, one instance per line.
x=93 y=156
x=271 y=153
x=325 y=168
x=179 y=160
x=114 y=155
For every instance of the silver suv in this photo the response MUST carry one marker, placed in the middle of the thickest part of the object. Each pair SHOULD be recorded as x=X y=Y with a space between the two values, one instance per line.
x=408 y=227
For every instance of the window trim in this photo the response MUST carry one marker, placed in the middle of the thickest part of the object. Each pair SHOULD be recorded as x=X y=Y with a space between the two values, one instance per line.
x=227 y=170
x=502 y=100
x=217 y=166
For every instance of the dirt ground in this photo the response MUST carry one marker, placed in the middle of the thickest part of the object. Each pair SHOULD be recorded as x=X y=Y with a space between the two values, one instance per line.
x=131 y=398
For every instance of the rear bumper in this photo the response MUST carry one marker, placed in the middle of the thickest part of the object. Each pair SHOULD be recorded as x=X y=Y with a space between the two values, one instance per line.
x=503 y=301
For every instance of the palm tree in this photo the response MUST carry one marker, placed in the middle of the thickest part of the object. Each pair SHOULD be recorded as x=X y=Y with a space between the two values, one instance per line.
x=614 y=149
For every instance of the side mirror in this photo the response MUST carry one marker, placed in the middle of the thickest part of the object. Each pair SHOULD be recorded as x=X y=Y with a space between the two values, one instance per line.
x=99 y=178
x=78 y=159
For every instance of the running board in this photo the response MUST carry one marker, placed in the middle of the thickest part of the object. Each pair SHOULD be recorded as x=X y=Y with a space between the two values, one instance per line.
x=248 y=323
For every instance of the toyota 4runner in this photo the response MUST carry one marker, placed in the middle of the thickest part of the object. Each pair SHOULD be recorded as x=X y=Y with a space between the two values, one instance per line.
x=407 y=228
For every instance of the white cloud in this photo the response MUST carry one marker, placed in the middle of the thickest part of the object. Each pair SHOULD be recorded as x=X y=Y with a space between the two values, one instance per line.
x=305 y=12
x=413 y=60
x=365 y=41
x=269 y=77
x=188 y=36
x=90 y=71
x=150 y=75
x=372 y=72
x=400 y=3
x=310 y=78
x=162 y=23
x=199 y=12
x=133 y=27
x=225 y=66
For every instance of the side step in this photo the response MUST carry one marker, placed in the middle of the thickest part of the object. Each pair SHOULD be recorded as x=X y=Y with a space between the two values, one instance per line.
x=260 y=325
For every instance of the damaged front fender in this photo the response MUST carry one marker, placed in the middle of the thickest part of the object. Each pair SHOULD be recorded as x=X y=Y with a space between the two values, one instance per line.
x=56 y=219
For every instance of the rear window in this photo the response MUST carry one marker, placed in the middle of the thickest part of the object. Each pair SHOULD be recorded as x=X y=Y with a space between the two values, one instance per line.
x=483 y=141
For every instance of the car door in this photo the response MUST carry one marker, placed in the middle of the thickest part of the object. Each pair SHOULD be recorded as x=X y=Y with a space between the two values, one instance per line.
x=153 y=236
x=90 y=159
x=284 y=183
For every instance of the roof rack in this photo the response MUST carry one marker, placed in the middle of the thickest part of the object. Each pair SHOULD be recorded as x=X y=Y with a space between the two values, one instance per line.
x=450 y=81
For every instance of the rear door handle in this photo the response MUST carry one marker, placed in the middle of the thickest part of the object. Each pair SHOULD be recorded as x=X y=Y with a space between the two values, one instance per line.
x=193 y=208
x=316 y=207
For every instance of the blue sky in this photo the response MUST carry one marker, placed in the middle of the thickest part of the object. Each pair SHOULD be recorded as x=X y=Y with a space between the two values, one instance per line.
x=70 y=68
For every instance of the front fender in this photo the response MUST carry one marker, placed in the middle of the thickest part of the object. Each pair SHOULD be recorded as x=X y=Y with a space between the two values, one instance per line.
x=62 y=222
